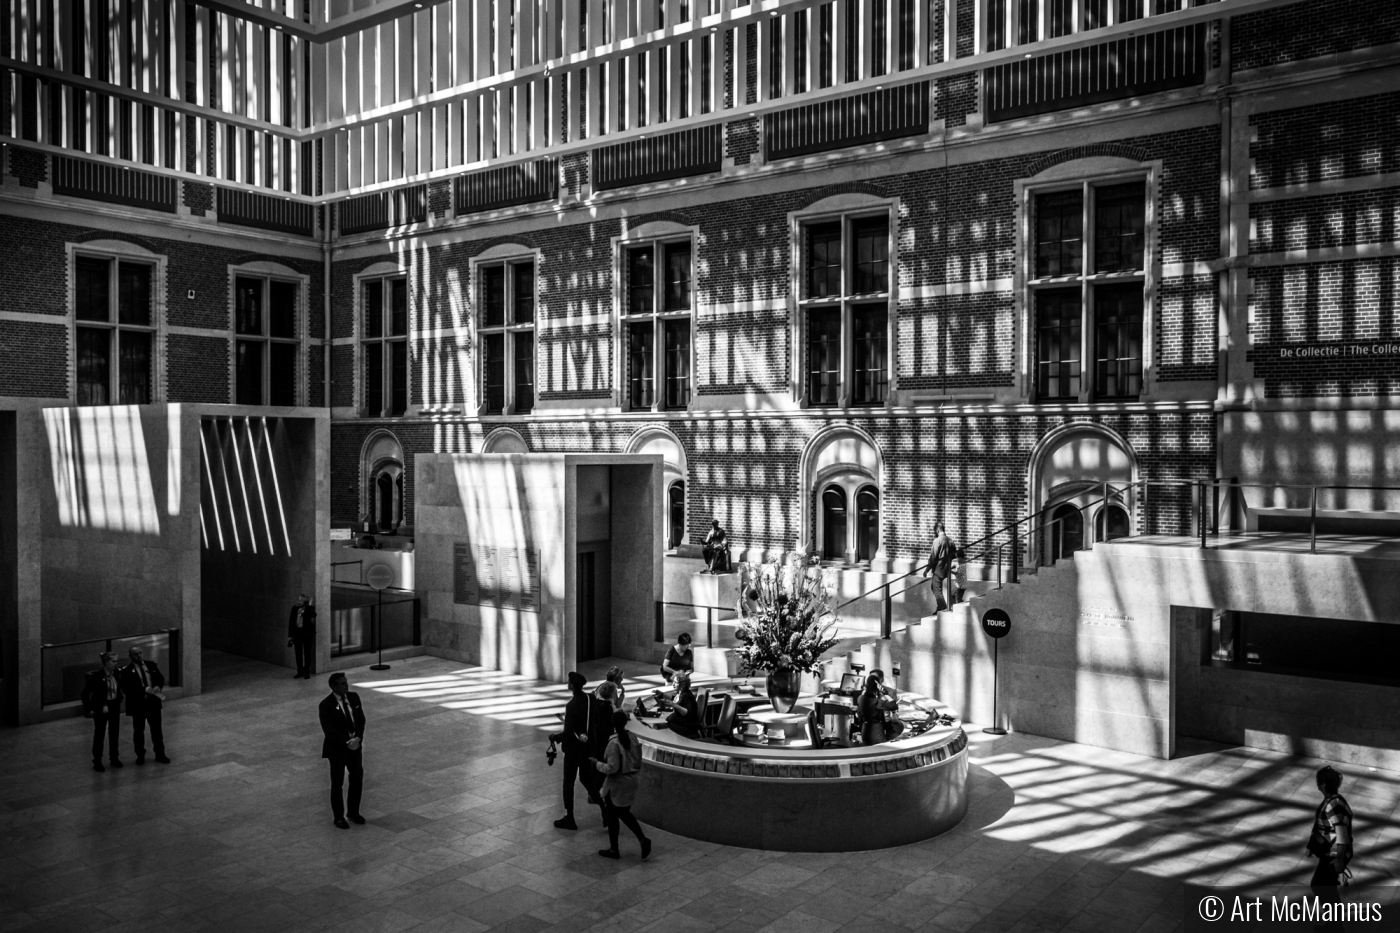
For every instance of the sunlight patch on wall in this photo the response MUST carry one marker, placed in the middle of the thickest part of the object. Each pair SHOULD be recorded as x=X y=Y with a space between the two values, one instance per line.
x=101 y=472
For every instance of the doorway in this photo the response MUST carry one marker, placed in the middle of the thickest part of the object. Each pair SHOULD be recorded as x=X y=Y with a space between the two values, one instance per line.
x=9 y=569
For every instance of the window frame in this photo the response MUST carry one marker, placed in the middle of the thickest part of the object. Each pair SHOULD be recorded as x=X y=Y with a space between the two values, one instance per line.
x=1086 y=179
x=848 y=301
x=506 y=258
x=267 y=273
x=117 y=252
x=384 y=342
x=659 y=317
x=851 y=482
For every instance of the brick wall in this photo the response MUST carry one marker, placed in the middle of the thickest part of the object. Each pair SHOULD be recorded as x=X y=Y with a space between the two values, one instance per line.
x=1338 y=139
x=1299 y=31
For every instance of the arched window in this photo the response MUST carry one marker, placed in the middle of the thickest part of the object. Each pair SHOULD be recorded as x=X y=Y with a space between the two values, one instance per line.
x=867 y=523
x=675 y=503
x=834 y=523
x=382 y=491
x=1111 y=523
x=1066 y=532
x=384 y=502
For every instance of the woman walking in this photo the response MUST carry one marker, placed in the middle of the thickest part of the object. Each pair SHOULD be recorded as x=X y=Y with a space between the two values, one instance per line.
x=622 y=761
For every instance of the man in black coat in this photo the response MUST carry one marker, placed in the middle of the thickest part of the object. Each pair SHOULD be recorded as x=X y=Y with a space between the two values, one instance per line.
x=583 y=716
x=343 y=724
x=143 y=685
x=102 y=700
x=301 y=635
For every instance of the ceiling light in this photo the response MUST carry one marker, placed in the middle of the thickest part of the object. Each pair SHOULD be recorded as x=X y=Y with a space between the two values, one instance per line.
x=1029 y=55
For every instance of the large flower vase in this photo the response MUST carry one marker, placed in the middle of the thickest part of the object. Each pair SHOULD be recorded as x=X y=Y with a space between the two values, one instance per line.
x=784 y=684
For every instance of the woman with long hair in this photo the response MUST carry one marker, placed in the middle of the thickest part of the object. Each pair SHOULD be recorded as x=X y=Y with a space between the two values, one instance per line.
x=622 y=761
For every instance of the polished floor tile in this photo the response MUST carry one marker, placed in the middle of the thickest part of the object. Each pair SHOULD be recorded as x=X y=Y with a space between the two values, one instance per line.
x=236 y=835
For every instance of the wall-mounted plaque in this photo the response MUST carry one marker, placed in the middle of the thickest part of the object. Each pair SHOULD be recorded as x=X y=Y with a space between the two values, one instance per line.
x=489 y=575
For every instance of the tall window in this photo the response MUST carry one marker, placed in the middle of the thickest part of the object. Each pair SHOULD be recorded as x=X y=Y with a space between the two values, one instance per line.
x=506 y=299
x=266 y=342
x=1087 y=278
x=656 y=323
x=845 y=307
x=384 y=345
x=114 y=330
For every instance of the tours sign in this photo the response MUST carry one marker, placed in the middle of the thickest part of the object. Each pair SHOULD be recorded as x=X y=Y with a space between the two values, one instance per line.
x=996 y=623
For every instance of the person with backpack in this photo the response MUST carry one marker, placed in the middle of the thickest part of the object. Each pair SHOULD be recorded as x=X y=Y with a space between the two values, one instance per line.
x=1331 y=842
x=621 y=763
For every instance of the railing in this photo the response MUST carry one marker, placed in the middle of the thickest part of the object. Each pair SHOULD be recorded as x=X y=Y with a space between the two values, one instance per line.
x=115 y=184
x=886 y=600
x=351 y=635
x=660 y=628
x=266 y=212
x=1215 y=506
x=345 y=563
x=64 y=666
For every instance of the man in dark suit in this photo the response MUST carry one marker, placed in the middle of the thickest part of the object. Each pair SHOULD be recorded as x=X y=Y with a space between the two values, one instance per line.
x=143 y=685
x=584 y=717
x=343 y=724
x=102 y=700
x=301 y=635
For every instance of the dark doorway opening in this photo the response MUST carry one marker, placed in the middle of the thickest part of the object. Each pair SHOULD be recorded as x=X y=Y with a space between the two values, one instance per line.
x=9 y=569
x=1066 y=532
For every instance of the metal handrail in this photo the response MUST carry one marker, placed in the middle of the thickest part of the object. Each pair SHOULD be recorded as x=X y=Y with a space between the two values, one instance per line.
x=106 y=638
x=709 y=618
x=343 y=563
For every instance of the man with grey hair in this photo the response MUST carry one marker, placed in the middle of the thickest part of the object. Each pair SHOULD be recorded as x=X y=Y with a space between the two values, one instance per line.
x=102 y=700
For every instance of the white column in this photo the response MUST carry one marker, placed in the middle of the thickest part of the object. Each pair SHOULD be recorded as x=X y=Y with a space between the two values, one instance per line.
x=788 y=24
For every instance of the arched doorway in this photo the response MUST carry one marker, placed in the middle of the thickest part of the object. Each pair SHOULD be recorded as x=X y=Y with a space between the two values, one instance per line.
x=867 y=523
x=382 y=482
x=1112 y=522
x=1081 y=487
x=834 y=523
x=841 y=473
x=657 y=440
x=1065 y=531
x=675 y=506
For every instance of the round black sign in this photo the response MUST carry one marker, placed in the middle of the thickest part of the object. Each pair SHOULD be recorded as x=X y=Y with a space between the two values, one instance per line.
x=996 y=623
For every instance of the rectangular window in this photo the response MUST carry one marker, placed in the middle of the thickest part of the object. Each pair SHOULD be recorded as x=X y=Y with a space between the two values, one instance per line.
x=1118 y=341
x=112 y=301
x=507 y=326
x=524 y=372
x=677 y=364
x=266 y=344
x=847 y=260
x=823 y=356
x=871 y=239
x=641 y=284
x=656 y=334
x=824 y=260
x=677 y=276
x=641 y=382
x=871 y=366
x=1058 y=338
x=1059 y=234
x=384 y=346
x=94 y=365
x=494 y=366
x=1120 y=223
x=1096 y=237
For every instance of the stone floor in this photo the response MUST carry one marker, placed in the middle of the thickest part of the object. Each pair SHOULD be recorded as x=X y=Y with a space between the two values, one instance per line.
x=236 y=834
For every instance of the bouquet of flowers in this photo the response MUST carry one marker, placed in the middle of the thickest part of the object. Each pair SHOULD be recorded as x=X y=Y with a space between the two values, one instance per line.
x=786 y=620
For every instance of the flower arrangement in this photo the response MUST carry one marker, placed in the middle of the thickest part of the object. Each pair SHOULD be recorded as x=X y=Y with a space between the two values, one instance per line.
x=786 y=620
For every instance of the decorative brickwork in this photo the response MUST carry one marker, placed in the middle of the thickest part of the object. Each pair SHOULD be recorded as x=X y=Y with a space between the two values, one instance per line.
x=965 y=40
x=1329 y=221
x=29 y=166
x=575 y=173
x=1297 y=31
x=1322 y=142
x=954 y=98
x=741 y=140
x=1119 y=150
x=198 y=197
x=751 y=63
x=439 y=198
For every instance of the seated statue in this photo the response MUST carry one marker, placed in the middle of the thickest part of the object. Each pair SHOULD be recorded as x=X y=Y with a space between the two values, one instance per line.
x=715 y=550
